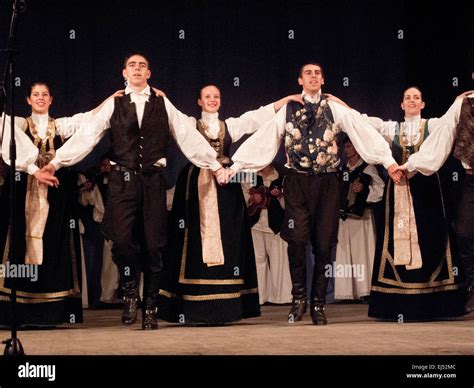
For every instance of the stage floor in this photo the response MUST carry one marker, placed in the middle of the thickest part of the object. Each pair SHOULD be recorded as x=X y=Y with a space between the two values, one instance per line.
x=350 y=332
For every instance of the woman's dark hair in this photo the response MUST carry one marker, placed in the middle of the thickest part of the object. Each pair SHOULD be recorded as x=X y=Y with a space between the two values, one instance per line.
x=413 y=87
x=38 y=83
x=205 y=86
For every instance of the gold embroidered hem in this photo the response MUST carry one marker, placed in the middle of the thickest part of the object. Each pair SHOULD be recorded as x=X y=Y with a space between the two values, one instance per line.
x=406 y=249
x=198 y=298
x=212 y=252
x=36 y=215
x=387 y=259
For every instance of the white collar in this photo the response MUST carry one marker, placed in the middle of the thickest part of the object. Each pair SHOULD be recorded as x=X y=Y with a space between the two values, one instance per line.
x=413 y=119
x=209 y=117
x=146 y=91
x=39 y=117
x=306 y=97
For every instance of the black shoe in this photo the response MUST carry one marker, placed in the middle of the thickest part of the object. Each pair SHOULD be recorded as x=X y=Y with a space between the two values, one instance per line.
x=469 y=307
x=149 y=319
x=318 y=316
x=129 y=312
x=297 y=311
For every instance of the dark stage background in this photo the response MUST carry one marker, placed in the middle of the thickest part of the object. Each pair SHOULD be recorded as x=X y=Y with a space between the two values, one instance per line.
x=370 y=50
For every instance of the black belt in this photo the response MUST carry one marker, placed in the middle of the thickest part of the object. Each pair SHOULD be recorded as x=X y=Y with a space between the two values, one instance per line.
x=311 y=172
x=141 y=171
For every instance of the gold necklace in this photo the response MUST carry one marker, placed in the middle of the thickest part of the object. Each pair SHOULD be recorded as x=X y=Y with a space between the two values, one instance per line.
x=44 y=156
x=403 y=140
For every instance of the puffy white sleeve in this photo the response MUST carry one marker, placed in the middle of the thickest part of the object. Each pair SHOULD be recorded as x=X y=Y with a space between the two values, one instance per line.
x=190 y=141
x=26 y=152
x=85 y=138
x=368 y=142
x=259 y=150
x=249 y=122
x=67 y=126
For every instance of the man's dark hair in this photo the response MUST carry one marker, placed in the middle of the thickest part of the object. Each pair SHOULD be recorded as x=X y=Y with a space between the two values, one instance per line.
x=131 y=55
x=310 y=63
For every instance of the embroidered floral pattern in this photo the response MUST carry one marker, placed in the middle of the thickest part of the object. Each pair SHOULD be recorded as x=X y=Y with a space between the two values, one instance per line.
x=311 y=138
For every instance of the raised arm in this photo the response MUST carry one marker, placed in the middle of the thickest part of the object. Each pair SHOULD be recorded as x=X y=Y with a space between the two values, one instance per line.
x=84 y=140
x=250 y=121
x=438 y=145
x=67 y=126
x=259 y=150
x=190 y=141
x=368 y=142
x=451 y=117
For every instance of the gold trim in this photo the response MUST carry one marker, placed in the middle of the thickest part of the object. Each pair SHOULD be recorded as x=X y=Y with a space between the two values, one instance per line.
x=49 y=295
x=41 y=143
x=200 y=298
x=30 y=301
x=182 y=273
x=403 y=141
x=202 y=127
x=386 y=256
x=417 y=291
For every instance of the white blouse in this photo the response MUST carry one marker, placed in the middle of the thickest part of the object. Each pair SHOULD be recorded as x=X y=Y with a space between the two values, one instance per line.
x=27 y=153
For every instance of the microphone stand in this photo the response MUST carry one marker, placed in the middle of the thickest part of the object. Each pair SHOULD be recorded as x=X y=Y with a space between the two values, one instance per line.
x=13 y=346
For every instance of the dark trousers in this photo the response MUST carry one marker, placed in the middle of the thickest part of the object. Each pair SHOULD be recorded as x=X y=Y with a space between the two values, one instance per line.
x=311 y=214
x=93 y=242
x=465 y=228
x=135 y=221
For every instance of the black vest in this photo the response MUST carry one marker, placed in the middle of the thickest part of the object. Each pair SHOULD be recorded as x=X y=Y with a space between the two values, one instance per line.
x=275 y=211
x=221 y=144
x=311 y=137
x=47 y=147
x=354 y=203
x=400 y=152
x=139 y=148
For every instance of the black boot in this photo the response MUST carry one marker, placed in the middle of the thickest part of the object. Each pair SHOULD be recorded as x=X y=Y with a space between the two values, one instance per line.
x=318 y=299
x=149 y=321
x=299 y=304
x=317 y=314
x=151 y=289
x=131 y=301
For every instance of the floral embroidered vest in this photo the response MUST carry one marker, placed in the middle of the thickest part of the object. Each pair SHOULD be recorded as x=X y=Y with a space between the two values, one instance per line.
x=312 y=138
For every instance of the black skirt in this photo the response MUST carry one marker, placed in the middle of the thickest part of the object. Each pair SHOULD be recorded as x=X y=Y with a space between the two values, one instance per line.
x=437 y=290
x=191 y=292
x=55 y=297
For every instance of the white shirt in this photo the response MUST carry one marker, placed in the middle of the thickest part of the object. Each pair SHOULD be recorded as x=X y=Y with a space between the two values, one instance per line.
x=182 y=127
x=27 y=152
x=369 y=144
x=245 y=124
x=411 y=125
x=139 y=98
x=436 y=148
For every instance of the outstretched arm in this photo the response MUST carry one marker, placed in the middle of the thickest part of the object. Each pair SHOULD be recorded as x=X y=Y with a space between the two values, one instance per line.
x=190 y=141
x=259 y=150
